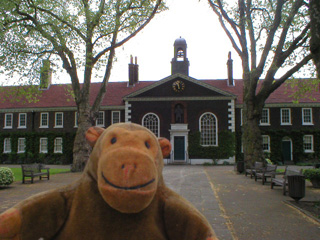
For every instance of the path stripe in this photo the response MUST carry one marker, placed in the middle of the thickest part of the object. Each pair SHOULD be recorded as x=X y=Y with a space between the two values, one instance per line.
x=222 y=209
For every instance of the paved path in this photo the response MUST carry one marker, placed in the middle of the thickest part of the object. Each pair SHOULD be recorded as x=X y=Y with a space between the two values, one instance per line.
x=236 y=206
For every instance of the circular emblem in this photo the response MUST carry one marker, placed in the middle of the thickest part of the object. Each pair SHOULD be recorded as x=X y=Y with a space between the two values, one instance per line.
x=178 y=86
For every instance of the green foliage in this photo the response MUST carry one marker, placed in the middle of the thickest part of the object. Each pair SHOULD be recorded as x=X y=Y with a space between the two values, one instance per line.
x=312 y=174
x=6 y=176
x=276 y=137
x=225 y=149
x=31 y=154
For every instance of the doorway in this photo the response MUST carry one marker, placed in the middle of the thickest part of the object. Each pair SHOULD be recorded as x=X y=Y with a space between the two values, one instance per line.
x=286 y=149
x=179 y=148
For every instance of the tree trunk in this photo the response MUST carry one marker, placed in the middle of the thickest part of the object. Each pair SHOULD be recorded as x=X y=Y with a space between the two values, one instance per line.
x=315 y=33
x=251 y=134
x=81 y=149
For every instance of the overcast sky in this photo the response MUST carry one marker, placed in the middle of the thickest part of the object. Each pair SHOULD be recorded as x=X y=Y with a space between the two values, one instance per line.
x=194 y=21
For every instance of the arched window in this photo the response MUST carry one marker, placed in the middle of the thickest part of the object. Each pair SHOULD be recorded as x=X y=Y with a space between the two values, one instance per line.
x=180 y=55
x=208 y=125
x=152 y=122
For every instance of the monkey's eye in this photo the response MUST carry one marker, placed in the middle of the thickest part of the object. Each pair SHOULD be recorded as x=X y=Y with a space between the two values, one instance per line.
x=113 y=140
x=147 y=145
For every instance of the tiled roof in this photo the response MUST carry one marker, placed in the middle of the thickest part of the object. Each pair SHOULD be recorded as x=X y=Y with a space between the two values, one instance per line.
x=59 y=95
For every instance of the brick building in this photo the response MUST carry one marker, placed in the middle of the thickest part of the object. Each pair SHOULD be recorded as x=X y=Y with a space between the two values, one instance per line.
x=202 y=118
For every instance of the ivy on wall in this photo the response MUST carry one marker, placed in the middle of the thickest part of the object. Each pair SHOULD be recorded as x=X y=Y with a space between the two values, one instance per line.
x=276 y=137
x=32 y=144
x=224 y=150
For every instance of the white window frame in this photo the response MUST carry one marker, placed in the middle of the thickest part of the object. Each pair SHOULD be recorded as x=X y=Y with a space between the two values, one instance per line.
x=311 y=149
x=103 y=119
x=213 y=133
x=266 y=142
x=41 y=148
x=6 y=125
x=153 y=127
x=56 y=125
x=282 y=110
x=75 y=119
x=7 y=145
x=41 y=118
x=113 y=117
x=21 y=145
x=25 y=120
x=56 y=145
x=267 y=123
x=303 y=116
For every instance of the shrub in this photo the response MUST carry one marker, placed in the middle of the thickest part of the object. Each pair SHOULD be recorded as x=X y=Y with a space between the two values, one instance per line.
x=6 y=176
x=312 y=174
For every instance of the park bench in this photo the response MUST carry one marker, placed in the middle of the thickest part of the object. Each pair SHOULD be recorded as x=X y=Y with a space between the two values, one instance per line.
x=283 y=181
x=34 y=170
x=258 y=167
x=267 y=172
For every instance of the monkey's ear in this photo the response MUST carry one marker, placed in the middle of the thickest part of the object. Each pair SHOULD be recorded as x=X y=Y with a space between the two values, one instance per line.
x=165 y=146
x=93 y=134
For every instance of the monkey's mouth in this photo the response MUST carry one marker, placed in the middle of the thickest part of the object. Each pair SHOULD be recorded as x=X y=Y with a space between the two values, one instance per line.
x=127 y=188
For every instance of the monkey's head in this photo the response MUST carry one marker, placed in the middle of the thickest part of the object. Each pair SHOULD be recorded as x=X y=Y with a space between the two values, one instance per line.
x=127 y=162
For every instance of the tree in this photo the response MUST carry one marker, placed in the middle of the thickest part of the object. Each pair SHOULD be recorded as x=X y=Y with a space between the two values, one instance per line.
x=271 y=37
x=80 y=35
x=315 y=32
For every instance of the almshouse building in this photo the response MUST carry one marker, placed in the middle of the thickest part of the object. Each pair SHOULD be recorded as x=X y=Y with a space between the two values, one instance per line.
x=202 y=118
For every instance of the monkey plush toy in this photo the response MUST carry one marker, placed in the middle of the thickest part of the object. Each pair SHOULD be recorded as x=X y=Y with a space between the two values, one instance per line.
x=121 y=195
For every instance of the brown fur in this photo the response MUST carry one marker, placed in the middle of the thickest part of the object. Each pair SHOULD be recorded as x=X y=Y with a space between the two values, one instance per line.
x=121 y=195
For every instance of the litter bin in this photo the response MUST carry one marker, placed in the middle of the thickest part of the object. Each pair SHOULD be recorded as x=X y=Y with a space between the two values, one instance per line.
x=297 y=186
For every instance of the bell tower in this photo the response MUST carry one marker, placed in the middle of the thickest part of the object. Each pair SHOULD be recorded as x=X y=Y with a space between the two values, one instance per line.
x=180 y=62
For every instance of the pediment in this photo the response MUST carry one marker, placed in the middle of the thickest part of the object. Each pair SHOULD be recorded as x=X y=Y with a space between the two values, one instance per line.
x=191 y=88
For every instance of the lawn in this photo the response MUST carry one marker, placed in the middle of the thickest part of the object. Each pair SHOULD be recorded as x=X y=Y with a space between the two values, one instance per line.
x=18 y=174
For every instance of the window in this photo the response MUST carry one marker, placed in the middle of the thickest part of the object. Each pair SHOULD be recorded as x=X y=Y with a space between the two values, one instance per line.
x=115 y=117
x=285 y=116
x=180 y=55
x=266 y=143
x=58 y=145
x=152 y=122
x=7 y=145
x=308 y=143
x=75 y=119
x=307 y=116
x=59 y=120
x=43 y=145
x=8 y=120
x=21 y=145
x=22 y=120
x=100 y=119
x=44 y=120
x=265 y=117
x=208 y=129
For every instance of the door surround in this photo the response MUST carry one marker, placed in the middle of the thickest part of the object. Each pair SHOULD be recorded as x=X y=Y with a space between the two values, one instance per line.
x=179 y=130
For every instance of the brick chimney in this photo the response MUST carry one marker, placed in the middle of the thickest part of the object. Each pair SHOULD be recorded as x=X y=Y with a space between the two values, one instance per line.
x=133 y=72
x=45 y=75
x=230 y=70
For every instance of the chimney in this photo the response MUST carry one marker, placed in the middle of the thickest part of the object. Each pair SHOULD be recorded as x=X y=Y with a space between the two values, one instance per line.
x=45 y=75
x=133 y=71
x=230 y=70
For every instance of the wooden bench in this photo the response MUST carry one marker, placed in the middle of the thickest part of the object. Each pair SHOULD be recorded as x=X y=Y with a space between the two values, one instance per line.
x=34 y=170
x=267 y=172
x=258 y=167
x=283 y=181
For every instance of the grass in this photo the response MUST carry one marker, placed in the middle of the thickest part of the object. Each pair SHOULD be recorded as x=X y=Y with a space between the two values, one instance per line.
x=18 y=174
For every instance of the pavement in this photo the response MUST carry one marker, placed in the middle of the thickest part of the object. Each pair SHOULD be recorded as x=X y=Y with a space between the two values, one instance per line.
x=237 y=207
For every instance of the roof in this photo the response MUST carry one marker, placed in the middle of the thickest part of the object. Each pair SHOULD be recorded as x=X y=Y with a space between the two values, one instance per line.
x=58 y=95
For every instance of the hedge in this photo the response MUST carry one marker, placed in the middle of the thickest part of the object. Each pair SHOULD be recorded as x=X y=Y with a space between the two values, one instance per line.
x=31 y=154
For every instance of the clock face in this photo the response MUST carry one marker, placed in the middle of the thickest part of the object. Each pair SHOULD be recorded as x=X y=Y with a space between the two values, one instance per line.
x=178 y=86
